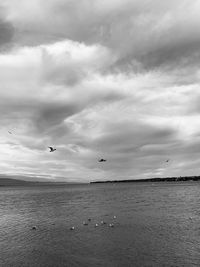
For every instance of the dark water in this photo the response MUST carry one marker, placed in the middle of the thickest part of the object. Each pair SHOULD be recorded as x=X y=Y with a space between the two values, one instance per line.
x=153 y=225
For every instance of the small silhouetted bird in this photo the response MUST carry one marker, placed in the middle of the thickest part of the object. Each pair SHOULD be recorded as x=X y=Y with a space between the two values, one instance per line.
x=52 y=149
x=9 y=132
x=102 y=160
x=167 y=160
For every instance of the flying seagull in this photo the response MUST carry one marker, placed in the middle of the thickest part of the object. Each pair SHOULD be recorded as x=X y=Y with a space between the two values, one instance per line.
x=102 y=160
x=52 y=149
x=9 y=132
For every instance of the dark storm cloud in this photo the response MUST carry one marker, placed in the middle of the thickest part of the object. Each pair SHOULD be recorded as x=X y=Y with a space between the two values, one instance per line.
x=143 y=34
x=6 y=32
x=48 y=116
x=169 y=57
x=125 y=144
x=53 y=114
x=122 y=135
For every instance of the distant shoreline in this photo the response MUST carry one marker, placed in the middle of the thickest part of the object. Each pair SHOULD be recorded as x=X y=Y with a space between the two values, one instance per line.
x=166 y=179
x=8 y=182
x=34 y=184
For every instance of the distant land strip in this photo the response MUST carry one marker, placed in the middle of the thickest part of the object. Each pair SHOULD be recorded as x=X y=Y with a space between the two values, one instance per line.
x=166 y=179
x=15 y=182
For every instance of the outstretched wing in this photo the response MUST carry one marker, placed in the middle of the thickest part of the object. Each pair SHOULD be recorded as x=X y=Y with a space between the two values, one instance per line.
x=102 y=160
x=51 y=148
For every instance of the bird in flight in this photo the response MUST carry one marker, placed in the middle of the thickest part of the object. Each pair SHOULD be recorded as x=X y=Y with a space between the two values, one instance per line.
x=52 y=149
x=167 y=160
x=102 y=160
x=9 y=132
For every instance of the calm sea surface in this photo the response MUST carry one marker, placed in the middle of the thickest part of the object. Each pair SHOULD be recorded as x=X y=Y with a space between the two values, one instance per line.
x=157 y=225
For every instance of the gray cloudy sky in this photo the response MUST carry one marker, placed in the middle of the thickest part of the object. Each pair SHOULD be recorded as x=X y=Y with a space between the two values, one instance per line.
x=117 y=79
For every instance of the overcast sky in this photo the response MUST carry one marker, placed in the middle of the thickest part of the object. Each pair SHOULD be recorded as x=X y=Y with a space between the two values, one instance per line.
x=115 y=79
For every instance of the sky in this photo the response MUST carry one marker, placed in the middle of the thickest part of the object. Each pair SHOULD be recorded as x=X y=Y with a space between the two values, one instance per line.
x=115 y=79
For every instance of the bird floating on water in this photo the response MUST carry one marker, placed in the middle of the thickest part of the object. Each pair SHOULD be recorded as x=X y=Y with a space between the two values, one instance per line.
x=34 y=228
x=102 y=222
x=114 y=217
x=72 y=228
x=84 y=223
x=89 y=220
x=96 y=225
x=52 y=149
x=102 y=160
x=111 y=225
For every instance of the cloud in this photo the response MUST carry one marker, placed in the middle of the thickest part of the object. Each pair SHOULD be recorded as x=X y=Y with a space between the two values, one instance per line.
x=143 y=34
x=36 y=106
x=116 y=79
x=6 y=31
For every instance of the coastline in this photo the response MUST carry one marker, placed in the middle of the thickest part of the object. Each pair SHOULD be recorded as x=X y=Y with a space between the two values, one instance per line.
x=165 y=179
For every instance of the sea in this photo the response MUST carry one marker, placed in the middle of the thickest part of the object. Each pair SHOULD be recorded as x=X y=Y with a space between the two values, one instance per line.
x=154 y=224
